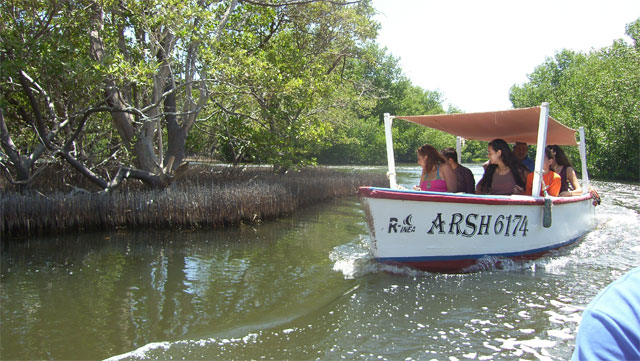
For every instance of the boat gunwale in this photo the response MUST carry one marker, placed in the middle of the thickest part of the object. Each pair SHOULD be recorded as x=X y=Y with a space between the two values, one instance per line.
x=464 y=198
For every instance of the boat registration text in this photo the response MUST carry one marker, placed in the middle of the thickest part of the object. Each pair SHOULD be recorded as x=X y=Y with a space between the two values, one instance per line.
x=468 y=225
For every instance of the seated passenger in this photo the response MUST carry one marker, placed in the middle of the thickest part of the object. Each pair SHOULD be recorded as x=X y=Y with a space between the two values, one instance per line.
x=437 y=175
x=465 y=181
x=502 y=176
x=569 y=181
x=521 y=152
x=550 y=179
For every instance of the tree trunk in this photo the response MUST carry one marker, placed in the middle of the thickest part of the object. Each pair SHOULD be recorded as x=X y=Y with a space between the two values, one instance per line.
x=123 y=122
x=145 y=158
x=176 y=134
x=20 y=162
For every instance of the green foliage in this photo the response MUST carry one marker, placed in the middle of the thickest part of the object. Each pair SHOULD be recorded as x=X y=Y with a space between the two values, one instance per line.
x=363 y=141
x=286 y=85
x=45 y=41
x=599 y=91
x=474 y=151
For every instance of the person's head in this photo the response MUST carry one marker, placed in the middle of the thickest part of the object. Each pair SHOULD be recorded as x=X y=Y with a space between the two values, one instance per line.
x=450 y=155
x=559 y=157
x=520 y=150
x=500 y=153
x=428 y=157
x=548 y=160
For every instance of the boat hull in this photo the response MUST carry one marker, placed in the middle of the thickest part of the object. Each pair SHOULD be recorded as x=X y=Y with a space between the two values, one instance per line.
x=448 y=232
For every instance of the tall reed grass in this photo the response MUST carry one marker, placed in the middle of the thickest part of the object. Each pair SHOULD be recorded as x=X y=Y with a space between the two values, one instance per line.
x=204 y=197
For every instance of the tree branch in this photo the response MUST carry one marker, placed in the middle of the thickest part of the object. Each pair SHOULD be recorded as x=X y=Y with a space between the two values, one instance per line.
x=94 y=178
x=224 y=20
x=298 y=2
x=21 y=182
x=10 y=149
x=231 y=112
x=150 y=178
x=25 y=81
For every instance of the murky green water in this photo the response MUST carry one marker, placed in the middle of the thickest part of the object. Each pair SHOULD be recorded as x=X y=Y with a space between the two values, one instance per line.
x=302 y=287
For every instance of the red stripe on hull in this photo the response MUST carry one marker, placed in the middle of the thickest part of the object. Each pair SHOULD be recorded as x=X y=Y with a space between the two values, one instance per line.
x=462 y=198
x=459 y=265
x=453 y=266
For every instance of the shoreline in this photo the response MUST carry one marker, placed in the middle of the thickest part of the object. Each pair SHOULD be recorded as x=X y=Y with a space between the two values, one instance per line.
x=204 y=198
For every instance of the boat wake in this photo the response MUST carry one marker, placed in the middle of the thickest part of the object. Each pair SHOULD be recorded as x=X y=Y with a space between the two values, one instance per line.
x=184 y=349
x=492 y=263
x=356 y=260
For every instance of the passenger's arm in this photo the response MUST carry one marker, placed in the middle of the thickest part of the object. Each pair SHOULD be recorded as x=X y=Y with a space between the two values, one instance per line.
x=573 y=179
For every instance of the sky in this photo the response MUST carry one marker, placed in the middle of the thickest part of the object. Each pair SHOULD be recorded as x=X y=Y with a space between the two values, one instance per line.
x=474 y=51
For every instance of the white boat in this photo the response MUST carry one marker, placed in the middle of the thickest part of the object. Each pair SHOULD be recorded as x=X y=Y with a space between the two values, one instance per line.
x=452 y=232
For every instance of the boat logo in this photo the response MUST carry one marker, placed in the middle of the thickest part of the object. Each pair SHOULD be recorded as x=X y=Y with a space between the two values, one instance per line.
x=405 y=227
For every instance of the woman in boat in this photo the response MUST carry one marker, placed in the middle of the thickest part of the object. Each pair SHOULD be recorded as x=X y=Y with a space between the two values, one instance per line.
x=437 y=175
x=502 y=176
x=550 y=179
x=569 y=185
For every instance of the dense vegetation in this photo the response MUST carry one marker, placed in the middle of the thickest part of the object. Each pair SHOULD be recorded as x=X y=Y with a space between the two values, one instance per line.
x=599 y=91
x=126 y=90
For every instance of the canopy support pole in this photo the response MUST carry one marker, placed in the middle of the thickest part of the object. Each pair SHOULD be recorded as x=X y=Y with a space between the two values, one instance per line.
x=459 y=148
x=583 y=161
x=542 y=141
x=391 y=174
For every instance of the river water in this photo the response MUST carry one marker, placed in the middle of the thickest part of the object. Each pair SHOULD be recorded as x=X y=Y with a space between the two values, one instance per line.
x=301 y=287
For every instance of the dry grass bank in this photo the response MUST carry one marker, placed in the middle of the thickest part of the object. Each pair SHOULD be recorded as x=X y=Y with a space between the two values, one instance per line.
x=207 y=196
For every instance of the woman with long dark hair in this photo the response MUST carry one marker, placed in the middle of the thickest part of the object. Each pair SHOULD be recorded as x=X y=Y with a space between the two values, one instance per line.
x=561 y=165
x=550 y=179
x=502 y=176
x=437 y=175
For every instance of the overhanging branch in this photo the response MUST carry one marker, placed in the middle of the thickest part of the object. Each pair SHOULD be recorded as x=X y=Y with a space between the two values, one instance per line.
x=298 y=2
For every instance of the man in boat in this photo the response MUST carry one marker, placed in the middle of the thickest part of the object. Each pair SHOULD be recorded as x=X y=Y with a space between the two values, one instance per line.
x=521 y=151
x=464 y=177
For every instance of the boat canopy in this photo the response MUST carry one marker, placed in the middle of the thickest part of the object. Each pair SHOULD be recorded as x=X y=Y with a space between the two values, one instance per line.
x=514 y=125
